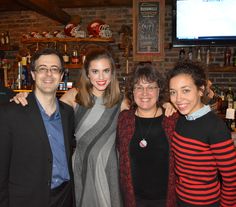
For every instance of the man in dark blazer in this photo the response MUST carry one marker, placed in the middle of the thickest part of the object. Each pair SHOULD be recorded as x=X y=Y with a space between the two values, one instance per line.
x=36 y=142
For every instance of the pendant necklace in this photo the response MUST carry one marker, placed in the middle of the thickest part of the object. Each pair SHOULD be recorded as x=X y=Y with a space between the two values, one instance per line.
x=143 y=143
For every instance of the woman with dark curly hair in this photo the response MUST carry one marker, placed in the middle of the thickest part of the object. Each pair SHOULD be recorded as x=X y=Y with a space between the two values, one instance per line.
x=145 y=155
x=202 y=144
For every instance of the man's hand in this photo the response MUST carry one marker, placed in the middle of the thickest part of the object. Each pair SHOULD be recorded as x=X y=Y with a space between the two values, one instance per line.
x=20 y=98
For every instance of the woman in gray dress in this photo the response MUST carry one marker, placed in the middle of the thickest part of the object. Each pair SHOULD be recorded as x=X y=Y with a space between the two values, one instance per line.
x=97 y=103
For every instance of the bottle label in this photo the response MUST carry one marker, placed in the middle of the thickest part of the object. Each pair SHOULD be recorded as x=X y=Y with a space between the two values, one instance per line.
x=66 y=58
x=24 y=61
x=75 y=60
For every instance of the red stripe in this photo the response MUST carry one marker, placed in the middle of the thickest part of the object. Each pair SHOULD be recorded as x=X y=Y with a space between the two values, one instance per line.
x=222 y=144
x=191 y=162
x=195 y=172
x=199 y=200
x=195 y=194
x=197 y=167
x=224 y=150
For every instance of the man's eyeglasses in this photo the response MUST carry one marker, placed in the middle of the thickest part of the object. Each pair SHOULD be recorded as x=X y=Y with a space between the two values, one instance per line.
x=149 y=89
x=44 y=70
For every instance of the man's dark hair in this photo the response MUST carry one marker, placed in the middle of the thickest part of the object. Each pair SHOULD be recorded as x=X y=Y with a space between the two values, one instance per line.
x=46 y=51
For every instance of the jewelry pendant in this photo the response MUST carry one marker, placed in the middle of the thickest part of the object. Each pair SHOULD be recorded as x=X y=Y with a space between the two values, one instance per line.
x=143 y=143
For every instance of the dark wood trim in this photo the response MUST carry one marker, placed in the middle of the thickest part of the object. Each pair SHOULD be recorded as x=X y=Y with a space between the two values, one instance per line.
x=47 y=8
x=67 y=39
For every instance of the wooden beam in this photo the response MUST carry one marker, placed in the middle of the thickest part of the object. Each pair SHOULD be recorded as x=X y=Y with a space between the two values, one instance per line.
x=47 y=8
x=93 y=3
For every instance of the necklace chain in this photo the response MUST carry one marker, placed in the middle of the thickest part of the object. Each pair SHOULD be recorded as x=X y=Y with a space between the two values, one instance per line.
x=143 y=142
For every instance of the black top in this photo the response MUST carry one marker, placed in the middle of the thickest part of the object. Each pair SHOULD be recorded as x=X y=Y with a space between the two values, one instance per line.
x=149 y=165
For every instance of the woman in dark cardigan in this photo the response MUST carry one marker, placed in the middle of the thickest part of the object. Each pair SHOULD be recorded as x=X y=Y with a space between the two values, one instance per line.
x=143 y=141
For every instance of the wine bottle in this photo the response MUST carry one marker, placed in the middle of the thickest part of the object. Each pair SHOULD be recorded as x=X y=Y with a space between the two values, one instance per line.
x=66 y=57
x=75 y=57
x=229 y=97
x=182 y=54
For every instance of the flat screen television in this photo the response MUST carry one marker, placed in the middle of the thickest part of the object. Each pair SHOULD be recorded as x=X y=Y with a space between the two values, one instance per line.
x=203 y=22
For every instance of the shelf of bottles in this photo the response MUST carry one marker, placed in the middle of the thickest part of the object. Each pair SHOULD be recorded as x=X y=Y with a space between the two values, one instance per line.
x=205 y=55
x=73 y=61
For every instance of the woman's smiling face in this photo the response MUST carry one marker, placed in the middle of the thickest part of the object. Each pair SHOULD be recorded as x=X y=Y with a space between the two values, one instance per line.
x=100 y=73
x=184 y=94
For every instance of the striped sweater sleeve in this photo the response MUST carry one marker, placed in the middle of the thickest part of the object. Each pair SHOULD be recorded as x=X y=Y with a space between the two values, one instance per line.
x=225 y=156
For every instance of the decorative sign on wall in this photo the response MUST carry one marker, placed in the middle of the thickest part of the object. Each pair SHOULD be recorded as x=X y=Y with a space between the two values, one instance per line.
x=148 y=30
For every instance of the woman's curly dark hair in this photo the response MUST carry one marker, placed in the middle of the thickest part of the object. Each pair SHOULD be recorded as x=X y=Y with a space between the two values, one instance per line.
x=196 y=70
x=147 y=72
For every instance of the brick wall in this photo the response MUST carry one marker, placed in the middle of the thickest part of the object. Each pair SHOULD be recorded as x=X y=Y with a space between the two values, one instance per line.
x=18 y=23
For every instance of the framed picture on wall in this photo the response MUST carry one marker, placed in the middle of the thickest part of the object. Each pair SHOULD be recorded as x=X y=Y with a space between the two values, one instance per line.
x=148 y=30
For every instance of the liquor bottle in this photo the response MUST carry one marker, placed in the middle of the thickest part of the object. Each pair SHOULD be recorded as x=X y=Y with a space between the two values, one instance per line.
x=182 y=54
x=24 y=76
x=229 y=97
x=224 y=103
x=28 y=58
x=234 y=58
x=227 y=56
x=19 y=76
x=229 y=118
x=3 y=39
x=83 y=55
x=234 y=104
x=75 y=57
x=199 y=55
x=7 y=38
x=190 y=54
x=66 y=57
x=208 y=56
x=66 y=78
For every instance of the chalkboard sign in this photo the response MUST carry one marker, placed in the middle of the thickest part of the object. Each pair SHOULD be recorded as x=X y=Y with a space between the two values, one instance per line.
x=148 y=30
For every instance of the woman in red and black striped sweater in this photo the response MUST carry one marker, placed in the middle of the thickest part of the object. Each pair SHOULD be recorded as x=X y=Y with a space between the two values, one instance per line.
x=205 y=157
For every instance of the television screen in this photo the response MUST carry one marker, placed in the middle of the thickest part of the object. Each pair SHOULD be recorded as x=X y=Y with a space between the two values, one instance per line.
x=204 y=22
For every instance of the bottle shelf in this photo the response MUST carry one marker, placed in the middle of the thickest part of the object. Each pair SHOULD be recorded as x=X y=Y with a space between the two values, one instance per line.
x=29 y=90
x=22 y=90
x=67 y=39
x=217 y=68
x=9 y=48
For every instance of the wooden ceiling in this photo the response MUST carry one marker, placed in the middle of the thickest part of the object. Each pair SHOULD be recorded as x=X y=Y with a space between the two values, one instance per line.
x=53 y=8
